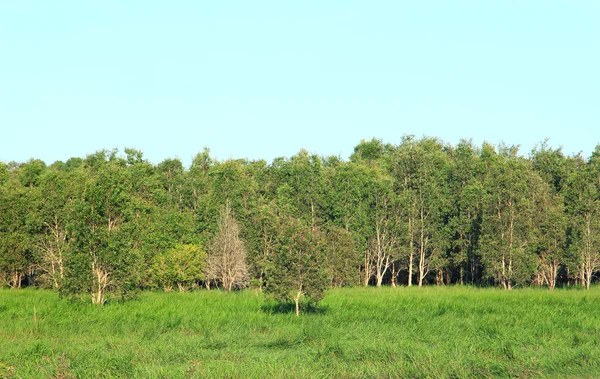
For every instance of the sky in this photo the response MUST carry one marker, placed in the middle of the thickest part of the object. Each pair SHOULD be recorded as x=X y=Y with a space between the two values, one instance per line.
x=264 y=79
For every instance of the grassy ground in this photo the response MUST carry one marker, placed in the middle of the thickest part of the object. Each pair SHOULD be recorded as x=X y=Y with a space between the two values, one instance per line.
x=362 y=332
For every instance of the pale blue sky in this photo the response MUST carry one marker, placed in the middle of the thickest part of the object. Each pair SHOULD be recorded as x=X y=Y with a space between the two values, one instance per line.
x=261 y=79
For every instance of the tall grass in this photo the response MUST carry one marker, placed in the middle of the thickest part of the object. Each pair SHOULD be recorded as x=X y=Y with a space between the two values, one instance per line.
x=362 y=332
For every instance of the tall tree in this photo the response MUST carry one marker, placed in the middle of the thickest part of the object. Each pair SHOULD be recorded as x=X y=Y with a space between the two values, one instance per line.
x=342 y=259
x=351 y=190
x=464 y=222
x=584 y=204
x=507 y=213
x=227 y=259
x=61 y=190
x=103 y=259
x=551 y=221
x=420 y=169
x=19 y=223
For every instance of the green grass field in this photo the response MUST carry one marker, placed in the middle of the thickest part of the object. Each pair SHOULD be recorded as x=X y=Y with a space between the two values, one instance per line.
x=362 y=332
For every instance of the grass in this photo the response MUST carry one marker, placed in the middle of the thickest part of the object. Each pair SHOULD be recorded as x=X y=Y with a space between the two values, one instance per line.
x=450 y=332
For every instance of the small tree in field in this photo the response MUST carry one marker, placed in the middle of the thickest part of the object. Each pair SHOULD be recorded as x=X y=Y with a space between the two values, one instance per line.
x=299 y=269
x=227 y=261
x=180 y=266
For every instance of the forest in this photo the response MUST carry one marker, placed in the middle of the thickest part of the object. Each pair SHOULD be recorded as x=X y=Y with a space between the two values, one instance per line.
x=421 y=212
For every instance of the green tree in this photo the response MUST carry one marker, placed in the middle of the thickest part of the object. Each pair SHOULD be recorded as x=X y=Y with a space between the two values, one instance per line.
x=420 y=169
x=507 y=217
x=352 y=192
x=182 y=266
x=103 y=259
x=550 y=219
x=342 y=259
x=464 y=222
x=19 y=228
x=584 y=206
x=61 y=190
x=549 y=227
x=298 y=264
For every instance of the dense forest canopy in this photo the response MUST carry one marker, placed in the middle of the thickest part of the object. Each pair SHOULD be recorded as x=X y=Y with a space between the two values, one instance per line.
x=420 y=212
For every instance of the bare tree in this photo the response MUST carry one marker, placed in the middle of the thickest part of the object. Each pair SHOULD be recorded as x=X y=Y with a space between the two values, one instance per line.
x=227 y=261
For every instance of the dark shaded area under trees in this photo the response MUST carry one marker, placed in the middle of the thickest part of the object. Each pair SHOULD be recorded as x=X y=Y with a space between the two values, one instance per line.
x=420 y=212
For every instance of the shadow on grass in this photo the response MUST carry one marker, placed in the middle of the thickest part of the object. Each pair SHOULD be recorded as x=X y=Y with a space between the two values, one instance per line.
x=272 y=307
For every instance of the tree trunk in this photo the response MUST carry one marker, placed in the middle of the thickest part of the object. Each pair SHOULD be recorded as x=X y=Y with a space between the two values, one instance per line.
x=503 y=279
x=297 y=301
x=100 y=284
x=423 y=242
x=410 y=265
x=411 y=252
x=368 y=268
x=16 y=279
x=588 y=272
x=382 y=254
x=552 y=275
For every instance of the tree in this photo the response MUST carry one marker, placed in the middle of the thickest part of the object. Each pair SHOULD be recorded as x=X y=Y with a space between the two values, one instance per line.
x=61 y=189
x=420 y=169
x=182 y=266
x=303 y=176
x=349 y=190
x=19 y=228
x=550 y=219
x=383 y=243
x=370 y=150
x=550 y=225
x=103 y=258
x=464 y=222
x=298 y=264
x=3 y=173
x=227 y=260
x=265 y=226
x=507 y=217
x=584 y=205
x=341 y=257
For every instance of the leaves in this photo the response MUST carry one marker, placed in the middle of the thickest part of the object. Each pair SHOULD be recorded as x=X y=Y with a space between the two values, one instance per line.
x=419 y=212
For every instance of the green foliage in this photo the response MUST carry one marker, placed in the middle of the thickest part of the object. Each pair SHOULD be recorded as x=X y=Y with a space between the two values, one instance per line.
x=342 y=258
x=298 y=270
x=30 y=172
x=104 y=258
x=417 y=212
x=3 y=173
x=182 y=266
x=19 y=224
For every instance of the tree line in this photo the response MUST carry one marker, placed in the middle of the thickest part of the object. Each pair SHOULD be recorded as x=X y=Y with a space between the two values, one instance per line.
x=416 y=213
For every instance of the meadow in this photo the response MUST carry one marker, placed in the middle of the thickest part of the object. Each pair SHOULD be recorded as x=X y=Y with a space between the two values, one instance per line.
x=432 y=332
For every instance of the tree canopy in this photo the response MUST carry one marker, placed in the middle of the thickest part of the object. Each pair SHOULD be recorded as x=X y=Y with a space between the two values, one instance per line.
x=416 y=213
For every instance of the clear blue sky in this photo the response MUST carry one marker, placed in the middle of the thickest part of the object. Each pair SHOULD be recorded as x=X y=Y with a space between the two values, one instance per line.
x=261 y=79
